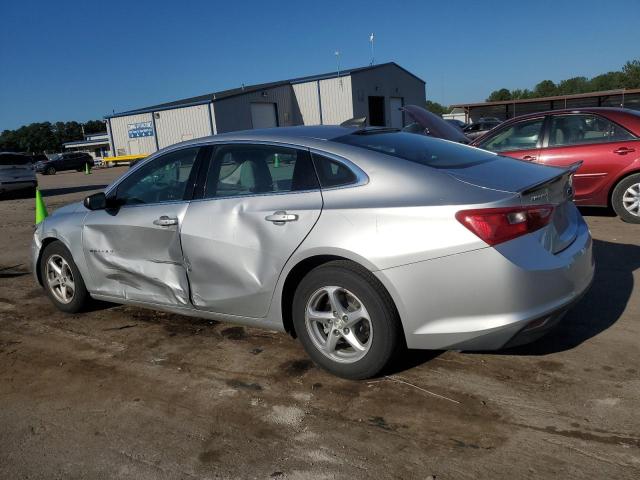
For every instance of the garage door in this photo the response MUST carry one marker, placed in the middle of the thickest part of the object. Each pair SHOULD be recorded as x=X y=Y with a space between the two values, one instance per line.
x=263 y=115
x=396 y=114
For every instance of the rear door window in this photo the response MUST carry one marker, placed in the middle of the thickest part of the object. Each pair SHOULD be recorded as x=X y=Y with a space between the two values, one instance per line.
x=244 y=169
x=584 y=129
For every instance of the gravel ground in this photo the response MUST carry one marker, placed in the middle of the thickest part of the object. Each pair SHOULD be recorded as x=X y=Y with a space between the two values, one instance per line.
x=122 y=392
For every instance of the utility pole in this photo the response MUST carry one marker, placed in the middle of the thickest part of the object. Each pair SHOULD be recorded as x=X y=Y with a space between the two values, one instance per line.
x=371 y=38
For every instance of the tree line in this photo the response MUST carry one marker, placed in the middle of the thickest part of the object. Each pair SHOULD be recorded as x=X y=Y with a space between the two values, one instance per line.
x=46 y=137
x=627 y=77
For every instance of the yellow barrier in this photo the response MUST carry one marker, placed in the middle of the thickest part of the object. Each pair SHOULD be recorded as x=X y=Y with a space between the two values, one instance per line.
x=125 y=158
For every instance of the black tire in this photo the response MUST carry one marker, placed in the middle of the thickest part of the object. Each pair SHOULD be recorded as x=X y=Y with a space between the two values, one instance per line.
x=387 y=337
x=50 y=171
x=80 y=298
x=617 y=198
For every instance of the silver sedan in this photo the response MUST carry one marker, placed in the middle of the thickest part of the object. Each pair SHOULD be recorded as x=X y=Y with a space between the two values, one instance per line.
x=359 y=242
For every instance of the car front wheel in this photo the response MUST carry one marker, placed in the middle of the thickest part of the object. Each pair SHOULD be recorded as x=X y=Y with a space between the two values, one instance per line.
x=346 y=320
x=62 y=280
x=50 y=171
x=626 y=199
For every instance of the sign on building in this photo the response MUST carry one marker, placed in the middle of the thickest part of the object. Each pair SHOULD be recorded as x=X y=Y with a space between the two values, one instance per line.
x=140 y=129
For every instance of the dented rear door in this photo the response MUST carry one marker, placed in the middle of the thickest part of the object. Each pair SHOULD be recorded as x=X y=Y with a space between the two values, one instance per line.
x=260 y=203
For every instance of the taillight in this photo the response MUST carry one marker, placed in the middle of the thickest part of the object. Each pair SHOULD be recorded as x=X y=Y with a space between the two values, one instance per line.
x=497 y=225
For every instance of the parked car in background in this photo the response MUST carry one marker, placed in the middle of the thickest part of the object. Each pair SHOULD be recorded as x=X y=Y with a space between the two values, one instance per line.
x=456 y=123
x=38 y=157
x=351 y=239
x=65 y=161
x=427 y=123
x=16 y=173
x=606 y=140
x=479 y=128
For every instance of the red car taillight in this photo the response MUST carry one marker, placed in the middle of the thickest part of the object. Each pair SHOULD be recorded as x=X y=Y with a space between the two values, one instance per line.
x=497 y=225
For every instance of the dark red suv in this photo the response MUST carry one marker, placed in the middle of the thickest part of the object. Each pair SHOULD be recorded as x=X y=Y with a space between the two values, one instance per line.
x=607 y=140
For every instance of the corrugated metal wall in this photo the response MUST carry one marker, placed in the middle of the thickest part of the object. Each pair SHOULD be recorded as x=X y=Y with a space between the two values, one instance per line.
x=340 y=99
x=127 y=146
x=306 y=96
x=235 y=113
x=388 y=81
x=337 y=100
x=180 y=124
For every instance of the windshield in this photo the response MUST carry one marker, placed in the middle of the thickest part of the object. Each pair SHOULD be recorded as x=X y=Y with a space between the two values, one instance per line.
x=419 y=149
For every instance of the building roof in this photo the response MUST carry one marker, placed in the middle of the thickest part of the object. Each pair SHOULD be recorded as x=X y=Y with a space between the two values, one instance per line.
x=223 y=94
x=602 y=93
x=86 y=143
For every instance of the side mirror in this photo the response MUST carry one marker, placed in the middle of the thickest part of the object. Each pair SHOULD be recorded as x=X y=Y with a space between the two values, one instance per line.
x=97 y=201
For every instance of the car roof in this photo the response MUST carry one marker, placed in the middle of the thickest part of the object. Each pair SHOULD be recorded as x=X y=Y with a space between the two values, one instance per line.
x=596 y=110
x=308 y=136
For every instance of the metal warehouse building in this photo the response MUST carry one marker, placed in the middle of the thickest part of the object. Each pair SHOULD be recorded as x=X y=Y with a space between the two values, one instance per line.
x=376 y=92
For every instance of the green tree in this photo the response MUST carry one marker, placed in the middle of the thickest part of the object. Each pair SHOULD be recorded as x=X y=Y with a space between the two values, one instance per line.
x=435 y=107
x=631 y=72
x=573 y=85
x=499 y=95
x=94 y=126
x=607 y=81
x=545 y=88
x=627 y=77
x=519 y=94
x=45 y=137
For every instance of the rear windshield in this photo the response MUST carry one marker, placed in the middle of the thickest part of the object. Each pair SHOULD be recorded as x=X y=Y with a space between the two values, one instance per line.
x=419 y=149
x=13 y=159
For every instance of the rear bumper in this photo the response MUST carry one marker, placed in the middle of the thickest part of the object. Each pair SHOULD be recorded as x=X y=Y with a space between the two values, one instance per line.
x=486 y=299
x=12 y=186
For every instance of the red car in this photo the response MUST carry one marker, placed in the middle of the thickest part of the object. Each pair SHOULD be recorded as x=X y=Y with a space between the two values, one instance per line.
x=606 y=140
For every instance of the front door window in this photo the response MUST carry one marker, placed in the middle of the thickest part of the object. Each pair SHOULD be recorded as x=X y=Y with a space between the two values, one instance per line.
x=164 y=179
x=519 y=136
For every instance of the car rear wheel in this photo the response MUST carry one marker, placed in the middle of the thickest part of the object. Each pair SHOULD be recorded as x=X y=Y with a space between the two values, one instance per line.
x=626 y=199
x=50 y=171
x=346 y=320
x=62 y=280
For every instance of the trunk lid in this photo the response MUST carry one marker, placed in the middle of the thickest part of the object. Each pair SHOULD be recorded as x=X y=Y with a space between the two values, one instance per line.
x=15 y=167
x=532 y=184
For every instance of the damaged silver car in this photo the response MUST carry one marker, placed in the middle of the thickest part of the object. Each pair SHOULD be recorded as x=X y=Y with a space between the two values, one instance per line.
x=358 y=241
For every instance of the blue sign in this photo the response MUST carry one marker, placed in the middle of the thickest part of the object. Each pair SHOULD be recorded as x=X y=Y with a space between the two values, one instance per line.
x=140 y=129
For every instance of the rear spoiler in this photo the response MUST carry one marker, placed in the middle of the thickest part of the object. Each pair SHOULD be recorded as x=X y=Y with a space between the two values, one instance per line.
x=571 y=170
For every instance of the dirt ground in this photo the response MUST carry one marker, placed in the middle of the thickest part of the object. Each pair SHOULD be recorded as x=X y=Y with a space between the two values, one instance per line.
x=122 y=392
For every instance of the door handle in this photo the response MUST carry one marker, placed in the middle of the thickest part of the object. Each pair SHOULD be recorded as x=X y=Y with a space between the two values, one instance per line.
x=624 y=150
x=529 y=158
x=280 y=217
x=165 y=221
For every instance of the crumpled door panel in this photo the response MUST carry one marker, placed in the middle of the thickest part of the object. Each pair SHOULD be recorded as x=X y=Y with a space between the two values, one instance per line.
x=131 y=258
x=235 y=255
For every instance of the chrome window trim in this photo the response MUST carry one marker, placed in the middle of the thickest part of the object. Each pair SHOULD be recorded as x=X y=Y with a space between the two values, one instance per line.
x=361 y=177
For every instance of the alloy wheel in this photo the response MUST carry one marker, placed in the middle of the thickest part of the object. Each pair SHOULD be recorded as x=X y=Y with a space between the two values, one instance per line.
x=338 y=324
x=631 y=199
x=60 y=279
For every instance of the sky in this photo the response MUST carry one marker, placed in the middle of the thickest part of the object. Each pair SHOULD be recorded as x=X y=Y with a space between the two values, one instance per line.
x=80 y=60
